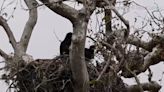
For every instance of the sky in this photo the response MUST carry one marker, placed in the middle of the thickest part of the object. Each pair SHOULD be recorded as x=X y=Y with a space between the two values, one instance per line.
x=52 y=28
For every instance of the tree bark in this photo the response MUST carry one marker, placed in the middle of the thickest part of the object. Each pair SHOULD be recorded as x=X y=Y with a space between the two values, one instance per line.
x=77 y=59
x=79 y=19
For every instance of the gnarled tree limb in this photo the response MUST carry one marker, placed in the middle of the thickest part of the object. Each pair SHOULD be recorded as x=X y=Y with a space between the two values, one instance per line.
x=138 y=42
x=152 y=87
x=145 y=45
x=8 y=31
x=30 y=24
x=61 y=9
x=152 y=58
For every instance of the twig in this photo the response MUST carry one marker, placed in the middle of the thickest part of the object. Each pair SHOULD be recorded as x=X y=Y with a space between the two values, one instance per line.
x=64 y=85
x=150 y=75
x=147 y=12
x=1 y=9
x=116 y=51
x=43 y=81
x=57 y=36
x=14 y=9
x=103 y=71
x=7 y=5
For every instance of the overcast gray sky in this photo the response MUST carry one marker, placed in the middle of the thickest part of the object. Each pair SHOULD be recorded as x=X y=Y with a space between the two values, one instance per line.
x=44 y=44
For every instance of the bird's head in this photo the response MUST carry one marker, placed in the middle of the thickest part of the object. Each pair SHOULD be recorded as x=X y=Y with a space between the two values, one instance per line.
x=92 y=47
x=69 y=35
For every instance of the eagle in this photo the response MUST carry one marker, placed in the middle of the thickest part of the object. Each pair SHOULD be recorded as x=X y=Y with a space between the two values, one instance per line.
x=65 y=44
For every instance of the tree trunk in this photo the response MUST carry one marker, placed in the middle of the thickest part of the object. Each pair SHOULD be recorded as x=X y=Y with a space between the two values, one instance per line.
x=77 y=59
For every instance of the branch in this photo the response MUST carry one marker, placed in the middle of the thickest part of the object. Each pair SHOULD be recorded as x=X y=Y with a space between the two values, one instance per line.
x=30 y=23
x=119 y=55
x=136 y=78
x=152 y=86
x=116 y=51
x=121 y=17
x=110 y=6
x=8 y=31
x=152 y=58
x=156 y=39
x=138 y=42
x=103 y=71
x=3 y=54
x=61 y=9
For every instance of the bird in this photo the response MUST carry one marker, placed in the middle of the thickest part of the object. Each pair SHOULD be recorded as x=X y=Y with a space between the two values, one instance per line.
x=65 y=44
x=89 y=53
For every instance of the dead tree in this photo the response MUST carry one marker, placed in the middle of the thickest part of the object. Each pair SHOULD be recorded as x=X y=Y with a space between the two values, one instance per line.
x=104 y=77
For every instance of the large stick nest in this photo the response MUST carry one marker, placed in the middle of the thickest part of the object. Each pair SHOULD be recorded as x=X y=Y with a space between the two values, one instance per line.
x=54 y=75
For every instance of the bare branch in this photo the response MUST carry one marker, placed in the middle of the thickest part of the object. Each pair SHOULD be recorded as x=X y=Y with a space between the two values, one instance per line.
x=2 y=6
x=150 y=75
x=156 y=39
x=136 y=78
x=103 y=71
x=110 y=6
x=151 y=16
x=30 y=23
x=152 y=58
x=8 y=31
x=61 y=9
x=121 y=17
x=152 y=86
x=138 y=42
x=3 y=54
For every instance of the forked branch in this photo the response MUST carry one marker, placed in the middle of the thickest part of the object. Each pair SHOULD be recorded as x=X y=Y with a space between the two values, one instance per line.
x=110 y=6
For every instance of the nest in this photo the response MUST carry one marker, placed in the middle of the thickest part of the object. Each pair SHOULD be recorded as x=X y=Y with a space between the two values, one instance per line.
x=54 y=75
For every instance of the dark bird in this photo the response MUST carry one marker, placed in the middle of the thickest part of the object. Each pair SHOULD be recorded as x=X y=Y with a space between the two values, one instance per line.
x=65 y=44
x=89 y=53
